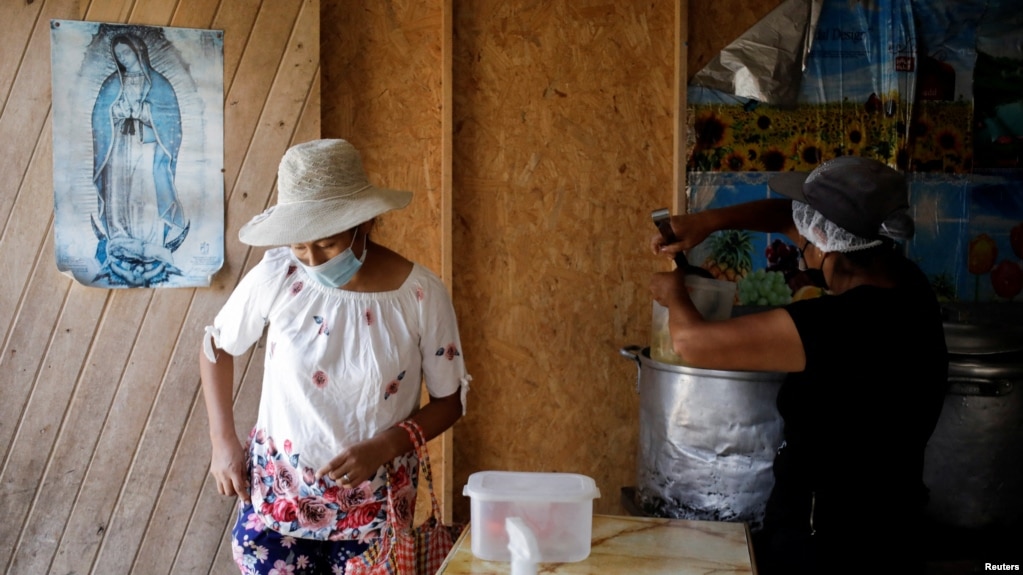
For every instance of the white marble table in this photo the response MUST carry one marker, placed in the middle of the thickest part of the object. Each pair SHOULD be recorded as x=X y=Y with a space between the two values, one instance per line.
x=636 y=546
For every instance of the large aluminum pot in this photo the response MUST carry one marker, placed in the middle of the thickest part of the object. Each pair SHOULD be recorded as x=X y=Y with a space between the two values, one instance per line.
x=707 y=441
x=973 y=465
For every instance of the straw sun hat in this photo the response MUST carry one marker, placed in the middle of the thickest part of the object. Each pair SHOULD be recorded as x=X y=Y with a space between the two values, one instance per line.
x=322 y=190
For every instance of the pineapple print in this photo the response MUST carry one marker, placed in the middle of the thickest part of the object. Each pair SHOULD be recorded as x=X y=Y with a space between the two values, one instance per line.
x=730 y=255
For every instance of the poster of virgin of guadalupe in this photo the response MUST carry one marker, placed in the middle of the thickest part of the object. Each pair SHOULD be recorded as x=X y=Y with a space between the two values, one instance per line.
x=137 y=154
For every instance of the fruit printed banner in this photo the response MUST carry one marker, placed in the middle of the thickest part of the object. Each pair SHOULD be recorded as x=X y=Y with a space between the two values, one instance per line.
x=764 y=266
x=994 y=246
x=896 y=81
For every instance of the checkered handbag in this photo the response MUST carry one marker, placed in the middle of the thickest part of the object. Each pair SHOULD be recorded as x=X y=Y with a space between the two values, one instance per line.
x=393 y=553
x=400 y=549
x=433 y=539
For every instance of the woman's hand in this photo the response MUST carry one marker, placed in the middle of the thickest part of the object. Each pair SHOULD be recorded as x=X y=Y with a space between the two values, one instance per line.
x=121 y=109
x=228 y=461
x=227 y=466
x=356 y=464
x=667 y=287
x=360 y=461
x=689 y=230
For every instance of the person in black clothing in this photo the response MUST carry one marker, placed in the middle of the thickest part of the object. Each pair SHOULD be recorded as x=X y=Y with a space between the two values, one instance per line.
x=867 y=365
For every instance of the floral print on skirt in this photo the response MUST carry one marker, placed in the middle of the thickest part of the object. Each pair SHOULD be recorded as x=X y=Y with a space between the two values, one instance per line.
x=259 y=550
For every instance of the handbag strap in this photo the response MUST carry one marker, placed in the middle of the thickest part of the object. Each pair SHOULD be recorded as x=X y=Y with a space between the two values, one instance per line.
x=415 y=433
x=391 y=514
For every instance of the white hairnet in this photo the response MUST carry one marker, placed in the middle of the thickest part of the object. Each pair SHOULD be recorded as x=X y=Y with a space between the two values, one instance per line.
x=825 y=234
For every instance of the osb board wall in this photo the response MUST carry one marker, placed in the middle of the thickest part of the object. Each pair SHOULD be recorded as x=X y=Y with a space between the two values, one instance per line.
x=382 y=71
x=562 y=145
x=105 y=443
x=383 y=67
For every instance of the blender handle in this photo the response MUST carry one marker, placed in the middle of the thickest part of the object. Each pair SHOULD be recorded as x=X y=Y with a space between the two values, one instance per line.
x=662 y=219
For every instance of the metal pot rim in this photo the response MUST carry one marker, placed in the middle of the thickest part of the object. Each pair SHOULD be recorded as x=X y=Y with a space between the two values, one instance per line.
x=982 y=338
x=642 y=357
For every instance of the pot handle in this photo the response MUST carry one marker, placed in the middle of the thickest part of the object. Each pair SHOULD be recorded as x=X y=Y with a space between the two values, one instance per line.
x=632 y=352
x=980 y=387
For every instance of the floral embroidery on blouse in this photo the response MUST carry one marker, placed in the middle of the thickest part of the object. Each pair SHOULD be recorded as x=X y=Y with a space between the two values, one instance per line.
x=296 y=288
x=450 y=352
x=392 y=388
x=322 y=322
x=369 y=317
x=320 y=379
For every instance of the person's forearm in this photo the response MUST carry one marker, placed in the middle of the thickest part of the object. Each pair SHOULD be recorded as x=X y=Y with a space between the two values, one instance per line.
x=682 y=317
x=772 y=216
x=434 y=418
x=217 y=388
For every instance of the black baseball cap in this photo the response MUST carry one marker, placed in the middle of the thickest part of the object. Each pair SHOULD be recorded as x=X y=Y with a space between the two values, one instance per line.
x=862 y=195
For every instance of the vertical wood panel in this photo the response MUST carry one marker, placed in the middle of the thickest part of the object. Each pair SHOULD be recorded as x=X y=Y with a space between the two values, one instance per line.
x=385 y=92
x=681 y=132
x=295 y=82
x=84 y=454
x=444 y=446
x=107 y=444
x=383 y=86
x=22 y=123
x=563 y=126
x=18 y=18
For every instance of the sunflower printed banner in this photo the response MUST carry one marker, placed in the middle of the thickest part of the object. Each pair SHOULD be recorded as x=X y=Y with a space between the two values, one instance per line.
x=854 y=99
x=930 y=87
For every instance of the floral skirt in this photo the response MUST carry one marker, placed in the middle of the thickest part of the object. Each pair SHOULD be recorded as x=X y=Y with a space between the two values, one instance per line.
x=259 y=550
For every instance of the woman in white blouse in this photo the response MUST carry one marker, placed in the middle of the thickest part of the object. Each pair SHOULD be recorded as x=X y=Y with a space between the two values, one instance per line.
x=352 y=329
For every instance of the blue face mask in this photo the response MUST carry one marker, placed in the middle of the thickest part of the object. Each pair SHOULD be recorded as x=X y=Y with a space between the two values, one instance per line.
x=340 y=269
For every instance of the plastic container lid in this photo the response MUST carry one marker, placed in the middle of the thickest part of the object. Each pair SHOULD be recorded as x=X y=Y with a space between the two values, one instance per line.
x=530 y=486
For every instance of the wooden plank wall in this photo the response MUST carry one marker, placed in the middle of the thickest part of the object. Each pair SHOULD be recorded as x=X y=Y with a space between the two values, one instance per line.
x=105 y=441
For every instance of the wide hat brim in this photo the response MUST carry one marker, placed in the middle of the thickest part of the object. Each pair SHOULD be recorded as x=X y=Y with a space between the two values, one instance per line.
x=307 y=221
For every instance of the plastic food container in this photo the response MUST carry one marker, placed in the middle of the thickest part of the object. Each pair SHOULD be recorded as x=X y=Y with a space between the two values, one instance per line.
x=557 y=507
x=713 y=299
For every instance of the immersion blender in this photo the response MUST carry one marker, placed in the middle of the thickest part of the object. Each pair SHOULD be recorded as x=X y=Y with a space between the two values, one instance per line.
x=662 y=219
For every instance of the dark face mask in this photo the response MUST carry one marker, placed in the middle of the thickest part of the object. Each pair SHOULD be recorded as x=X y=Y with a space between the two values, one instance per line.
x=815 y=276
